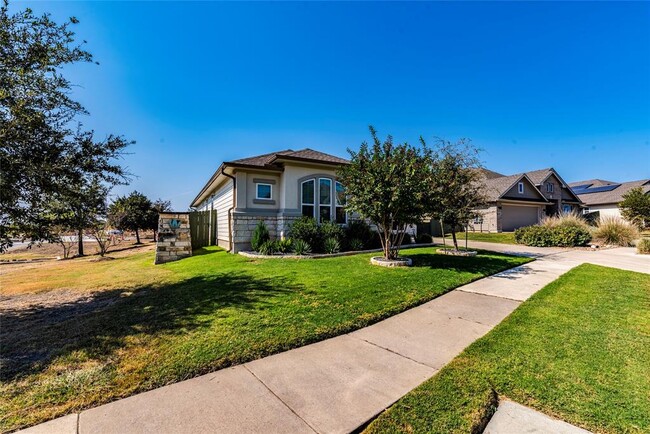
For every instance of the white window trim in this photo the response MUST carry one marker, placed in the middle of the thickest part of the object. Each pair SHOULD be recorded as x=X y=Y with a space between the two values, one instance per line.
x=336 y=204
x=520 y=188
x=314 y=203
x=549 y=187
x=331 y=205
x=257 y=184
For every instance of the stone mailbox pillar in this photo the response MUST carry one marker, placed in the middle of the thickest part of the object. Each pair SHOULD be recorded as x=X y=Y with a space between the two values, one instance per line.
x=174 y=239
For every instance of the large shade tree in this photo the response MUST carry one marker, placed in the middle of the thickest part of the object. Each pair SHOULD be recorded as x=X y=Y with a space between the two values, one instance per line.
x=387 y=183
x=456 y=185
x=43 y=152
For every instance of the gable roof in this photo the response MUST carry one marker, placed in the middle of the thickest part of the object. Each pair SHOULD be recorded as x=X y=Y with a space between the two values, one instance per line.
x=600 y=193
x=272 y=158
x=496 y=187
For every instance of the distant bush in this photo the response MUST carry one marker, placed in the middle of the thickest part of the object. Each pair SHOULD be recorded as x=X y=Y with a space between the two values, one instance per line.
x=332 y=245
x=616 y=231
x=536 y=236
x=424 y=238
x=643 y=247
x=306 y=229
x=564 y=230
x=269 y=247
x=285 y=245
x=260 y=236
x=301 y=247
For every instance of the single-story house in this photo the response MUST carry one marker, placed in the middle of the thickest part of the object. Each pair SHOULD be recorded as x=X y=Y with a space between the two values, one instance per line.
x=523 y=199
x=277 y=188
x=605 y=196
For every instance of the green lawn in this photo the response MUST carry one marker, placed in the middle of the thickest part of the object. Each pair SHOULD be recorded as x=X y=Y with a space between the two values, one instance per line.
x=578 y=350
x=496 y=237
x=193 y=316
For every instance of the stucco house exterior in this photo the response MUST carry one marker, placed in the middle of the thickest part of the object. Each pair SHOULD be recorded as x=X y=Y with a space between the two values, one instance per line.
x=523 y=199
x=604 y=197
x=276 y=188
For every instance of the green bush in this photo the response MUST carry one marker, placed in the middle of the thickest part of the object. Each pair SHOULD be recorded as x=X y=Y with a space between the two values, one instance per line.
x=260 y=236
x=355 y=244
x=616 y=231
x=332 y=245
x=423 y=238
x=360 y=230
x=570 y=236
x=301 y=247
x=564 y=230
x=537 y=236
x=269 y=247
x=643 y=247
x=331 y=230
x=285 y=245
x=306 y=229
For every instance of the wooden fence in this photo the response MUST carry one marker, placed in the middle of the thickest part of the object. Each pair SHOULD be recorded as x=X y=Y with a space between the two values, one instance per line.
x=203 y=228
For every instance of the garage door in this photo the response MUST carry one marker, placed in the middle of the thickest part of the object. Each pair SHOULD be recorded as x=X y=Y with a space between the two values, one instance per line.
x=513 y=217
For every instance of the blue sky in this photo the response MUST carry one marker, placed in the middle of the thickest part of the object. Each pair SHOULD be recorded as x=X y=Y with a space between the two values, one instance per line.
x=535 y=85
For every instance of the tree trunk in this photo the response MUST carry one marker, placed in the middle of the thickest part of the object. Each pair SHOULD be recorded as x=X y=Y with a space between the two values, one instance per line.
x=155 y=236
x=453 y=236
x=80 y=243
x=137 y=236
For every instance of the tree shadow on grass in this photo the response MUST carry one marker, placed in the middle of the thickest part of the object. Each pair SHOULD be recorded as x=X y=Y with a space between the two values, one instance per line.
x=100 y=323
x=485 y=265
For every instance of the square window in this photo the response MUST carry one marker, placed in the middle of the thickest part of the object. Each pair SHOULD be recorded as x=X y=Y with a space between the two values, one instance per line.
x=263 y=191
x=341 y=215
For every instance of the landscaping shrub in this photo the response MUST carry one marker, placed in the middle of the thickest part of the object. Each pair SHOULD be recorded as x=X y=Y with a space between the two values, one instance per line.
x=564 y=230
x=616 y=231
x=306 y=229
x=332 y=245
x=331 y=230
x=300 y=247
x=269 y=247
x=643 y=247
x=260 y=236
x=424 y=238
x=567 y=236
x=285 y=245
x=355 y=244
x=360 y=230
x=537 y=236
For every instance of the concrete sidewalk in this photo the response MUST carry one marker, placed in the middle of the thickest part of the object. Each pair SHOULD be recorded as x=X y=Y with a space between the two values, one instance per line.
x=337 y=385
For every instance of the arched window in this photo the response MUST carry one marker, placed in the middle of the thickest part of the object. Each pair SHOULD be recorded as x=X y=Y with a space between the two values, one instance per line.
x=307 y=198
x=323 y=199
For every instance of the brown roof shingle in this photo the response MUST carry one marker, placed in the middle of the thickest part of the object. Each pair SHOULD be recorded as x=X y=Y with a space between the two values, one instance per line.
x=306 y=154
x=613 y=196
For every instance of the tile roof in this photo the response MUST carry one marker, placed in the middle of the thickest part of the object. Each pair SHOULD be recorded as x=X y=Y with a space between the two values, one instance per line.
x=613 y=196
x=306 y=154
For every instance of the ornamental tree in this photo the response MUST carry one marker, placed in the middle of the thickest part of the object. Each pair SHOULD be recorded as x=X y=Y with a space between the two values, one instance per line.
x=388 y=183
x=635 y=207
x=456 y=185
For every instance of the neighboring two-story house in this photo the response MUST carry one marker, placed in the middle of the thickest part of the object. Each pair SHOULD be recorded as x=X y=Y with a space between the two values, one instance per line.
x=276 y=188
x=523 y=199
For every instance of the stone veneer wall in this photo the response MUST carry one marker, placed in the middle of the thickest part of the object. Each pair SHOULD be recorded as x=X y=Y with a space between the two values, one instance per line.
x=174 y=242
x=244 y=224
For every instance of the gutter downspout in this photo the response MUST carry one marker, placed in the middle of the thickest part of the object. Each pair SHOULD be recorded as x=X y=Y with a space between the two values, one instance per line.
x=234 y=198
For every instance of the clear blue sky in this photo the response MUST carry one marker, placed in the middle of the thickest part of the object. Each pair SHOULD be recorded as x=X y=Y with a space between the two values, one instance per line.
x=565 y=85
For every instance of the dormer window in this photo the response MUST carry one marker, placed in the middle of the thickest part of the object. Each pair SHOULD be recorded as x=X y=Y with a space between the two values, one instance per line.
x=520 y=188
x=549 y=187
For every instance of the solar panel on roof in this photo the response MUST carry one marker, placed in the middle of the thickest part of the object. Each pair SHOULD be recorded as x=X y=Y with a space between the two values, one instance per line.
x=580 y=187
x=602 y=189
